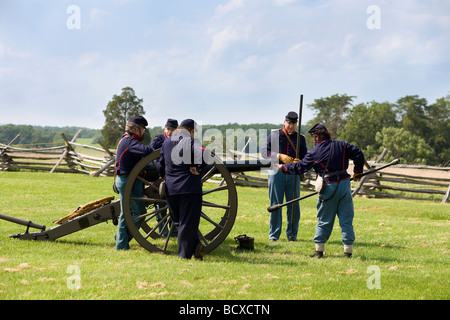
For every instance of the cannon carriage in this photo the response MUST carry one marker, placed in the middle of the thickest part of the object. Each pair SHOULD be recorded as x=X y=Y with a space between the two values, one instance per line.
x=155 y=231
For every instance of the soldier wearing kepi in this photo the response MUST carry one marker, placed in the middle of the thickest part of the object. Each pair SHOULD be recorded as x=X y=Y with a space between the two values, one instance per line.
x=181 y=163
x=130 y=151
x=281 y=185
x=330 y=160
x=169 y=128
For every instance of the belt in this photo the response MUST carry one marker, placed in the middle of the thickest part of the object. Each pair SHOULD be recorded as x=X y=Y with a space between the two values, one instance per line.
x=335 y=173
x=123 y=175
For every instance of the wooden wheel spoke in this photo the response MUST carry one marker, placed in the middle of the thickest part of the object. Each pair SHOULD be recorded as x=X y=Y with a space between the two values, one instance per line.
x=168 y=234
x=221 y=188
x=148 y=183
x=208 y=175
x=160 y=222
x=218 y=215
x=214 y=205
x=204 y=216
x=148 y=199
x=150 y=214
x=202 y=238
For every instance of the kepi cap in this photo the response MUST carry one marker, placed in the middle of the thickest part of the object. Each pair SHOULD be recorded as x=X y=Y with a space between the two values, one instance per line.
x=292 y=117
x=172 y=123
x=139 y=120
x=317 y=127
x=188 y=124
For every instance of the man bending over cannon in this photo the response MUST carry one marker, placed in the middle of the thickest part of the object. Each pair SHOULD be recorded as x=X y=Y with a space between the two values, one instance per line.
x=330 y=160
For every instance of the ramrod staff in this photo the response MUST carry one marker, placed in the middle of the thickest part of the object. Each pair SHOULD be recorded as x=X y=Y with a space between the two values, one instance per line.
x=278 y=206
x=297 y=156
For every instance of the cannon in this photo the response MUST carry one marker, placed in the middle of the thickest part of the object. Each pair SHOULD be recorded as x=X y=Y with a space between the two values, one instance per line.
x=156 y=232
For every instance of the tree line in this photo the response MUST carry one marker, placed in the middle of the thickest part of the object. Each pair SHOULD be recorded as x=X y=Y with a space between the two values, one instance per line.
x=411 y=129
x=41 y=137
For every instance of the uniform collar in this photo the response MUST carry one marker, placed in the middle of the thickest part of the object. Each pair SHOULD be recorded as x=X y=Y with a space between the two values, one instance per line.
x=133 y=135
x=287 y=133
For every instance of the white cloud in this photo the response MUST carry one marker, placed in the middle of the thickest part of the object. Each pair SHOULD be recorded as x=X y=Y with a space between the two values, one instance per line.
x=226 y=59
x=222 y=10
x=88 y=59
x=283 y=2
x=222 y=40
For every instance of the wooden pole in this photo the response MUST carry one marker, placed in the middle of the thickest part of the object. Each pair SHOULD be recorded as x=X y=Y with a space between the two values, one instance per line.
x=297 y=155
x=68 y=148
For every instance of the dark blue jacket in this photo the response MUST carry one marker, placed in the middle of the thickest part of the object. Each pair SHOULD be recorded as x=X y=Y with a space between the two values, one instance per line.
x=284 y=146
x=317 y=158
x=179 y=153
x=158 y=141
x=129 y=152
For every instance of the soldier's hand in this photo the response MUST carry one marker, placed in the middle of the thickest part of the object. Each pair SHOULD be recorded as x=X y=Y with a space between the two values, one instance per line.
x=285 y=159
x=194 y=171
x=296 y=160
x=357 y=177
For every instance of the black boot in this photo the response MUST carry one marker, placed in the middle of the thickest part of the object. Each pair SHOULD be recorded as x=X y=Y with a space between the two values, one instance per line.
x=347 y=254
x=199 y=251
x=317 y=254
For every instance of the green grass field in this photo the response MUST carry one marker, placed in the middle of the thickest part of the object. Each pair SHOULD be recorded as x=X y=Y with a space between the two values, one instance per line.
x=401 y=252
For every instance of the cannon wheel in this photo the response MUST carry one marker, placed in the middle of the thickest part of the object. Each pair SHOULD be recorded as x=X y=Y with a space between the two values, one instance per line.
x=154 y=229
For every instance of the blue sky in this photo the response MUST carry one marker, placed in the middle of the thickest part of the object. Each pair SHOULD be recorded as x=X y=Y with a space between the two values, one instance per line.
x=242 y=61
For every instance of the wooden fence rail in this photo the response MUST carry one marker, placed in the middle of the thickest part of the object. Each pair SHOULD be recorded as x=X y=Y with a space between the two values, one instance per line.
x=71 y=157
x=399 y=181
x=395 y=182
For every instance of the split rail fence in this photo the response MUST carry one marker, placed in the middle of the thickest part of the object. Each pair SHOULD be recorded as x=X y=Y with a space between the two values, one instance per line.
x=399 y=181
x=71 y=157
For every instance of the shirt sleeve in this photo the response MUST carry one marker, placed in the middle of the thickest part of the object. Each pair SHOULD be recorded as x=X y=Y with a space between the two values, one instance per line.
x=161 y=165
x=138 y=148
x=300 y=167
x=303 y=148
x=357 y=156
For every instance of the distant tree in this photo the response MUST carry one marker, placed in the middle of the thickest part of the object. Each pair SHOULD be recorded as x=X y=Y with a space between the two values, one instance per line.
x=412 y=111
x=438 y=115
x=404 y=145
x=331 y=112
x=364 y=121
x=117 y=113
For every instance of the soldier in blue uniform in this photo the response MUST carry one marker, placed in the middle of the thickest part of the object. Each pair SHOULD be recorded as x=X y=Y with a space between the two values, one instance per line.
x=169 y=128
x=330 y=159
x=130 y=151
x=181 y=163
x=281 y=185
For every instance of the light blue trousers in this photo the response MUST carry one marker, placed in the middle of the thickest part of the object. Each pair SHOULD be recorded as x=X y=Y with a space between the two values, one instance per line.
x=282 y=186
x=123 y=235
x=340 y=205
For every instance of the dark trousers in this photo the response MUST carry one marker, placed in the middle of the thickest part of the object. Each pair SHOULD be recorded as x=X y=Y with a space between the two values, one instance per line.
x=185 y=211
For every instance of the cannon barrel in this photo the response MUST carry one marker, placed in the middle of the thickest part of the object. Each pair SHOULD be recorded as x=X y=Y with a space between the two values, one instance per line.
x=246 y=165
x=231 y=166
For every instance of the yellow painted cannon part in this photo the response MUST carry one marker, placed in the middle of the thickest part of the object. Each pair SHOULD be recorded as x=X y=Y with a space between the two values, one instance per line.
x=88 y=207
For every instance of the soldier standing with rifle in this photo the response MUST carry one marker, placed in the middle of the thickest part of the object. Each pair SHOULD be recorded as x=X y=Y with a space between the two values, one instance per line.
x=281 y=185
x=330 y=160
